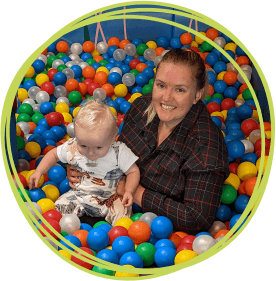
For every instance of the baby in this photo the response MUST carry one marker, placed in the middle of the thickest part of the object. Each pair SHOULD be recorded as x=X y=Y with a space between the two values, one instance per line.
x=95 y=152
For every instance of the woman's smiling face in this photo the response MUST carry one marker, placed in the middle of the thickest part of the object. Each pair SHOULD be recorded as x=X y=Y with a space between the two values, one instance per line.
x=174 y=92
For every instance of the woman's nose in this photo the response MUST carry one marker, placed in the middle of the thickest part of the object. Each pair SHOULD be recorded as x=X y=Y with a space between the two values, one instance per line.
x=168 y=95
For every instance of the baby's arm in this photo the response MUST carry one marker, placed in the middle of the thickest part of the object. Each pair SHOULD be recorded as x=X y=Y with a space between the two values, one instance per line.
x=49 y=160
x=132 y=182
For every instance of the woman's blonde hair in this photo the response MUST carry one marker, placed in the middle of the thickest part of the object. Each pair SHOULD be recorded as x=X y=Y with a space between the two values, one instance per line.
x=189 y=58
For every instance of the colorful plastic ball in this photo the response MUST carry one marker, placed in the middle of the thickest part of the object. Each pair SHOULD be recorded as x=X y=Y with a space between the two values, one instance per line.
x=139 y=232
x=203 y=243
x=230 y=53
x=247 y=170
x=33 y=149
x=203 y=233
x=223 y=213
x=97 y=239
x=85 y=226
x=141 y=79
x=229 y=194
x=53 y=214
x=49 y=135
x=161 y=227
x=124 y=107
x=37 y=194
x=51 y=192
x=163 y=42
x=125 y=222
x=164 y=256
x=220 y=86
x=57 y=174
x=72 y=239
x=241 y=203
x=46 y=204
x=234 y=220
x=116 y=232
x=184 y=256
x=54 y=224
x=108 y=255
x=46 y=107
x=146 y=251
x=75 y=97
x=217 y=121
x=230 y=77
x=23 y=196
x=212 y=59
x=211 y=77
x=219 y=67
x=250 y=157
x=70 y=223
x=235 y=149
x=132 y=258
x=22 y=154
x=114 y=78
x=213 y=107
x=122 y=245
x=53 y=119
x=81 y=262
x=148 y=218
x=244 y=111
x=164 y=243
x=103 y=271
x=105 y=226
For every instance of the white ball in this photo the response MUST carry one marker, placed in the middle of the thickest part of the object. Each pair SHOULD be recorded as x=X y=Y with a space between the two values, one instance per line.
x=83 y=64
x=99 y=94
x=246 y=68
x=76 y=48
x=43 y=58
x=57 y=63
x=24 y=126
x=29 y=101
x=220 y=41
x=119 y=55
x=202 y=243
x=70 y=223
x=149 y=54
x=239 y=102
x=231 y=67
x=49 y=54
x=157 y=60
x=36 y=107
x=240 y=78
x=102 y=47
x=71 y=130
x=35 y=206
x=33 y=91
x=42 y=96
x=70 y=63
x=74 y=56
x=128 y=79
x=249 y=147
x=116 y=69
x=164 y=53
x=63 y=100
x=60 y=91
x=70 y=74
x=130 y=49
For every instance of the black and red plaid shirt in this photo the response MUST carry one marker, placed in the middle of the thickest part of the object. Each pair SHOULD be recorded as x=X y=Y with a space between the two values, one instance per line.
x=183 y=176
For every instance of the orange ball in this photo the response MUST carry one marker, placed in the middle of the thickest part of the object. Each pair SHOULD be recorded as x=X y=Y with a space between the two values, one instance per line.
x=88 y=46
x=45 y=52
x=98 y=58
x=62 y=47
x=202 y=56
x=109 y=89
x=242 y=88
x=159 y=51
x=72 y=85
x=230 y=77
x=113 y=41
x=250 y=185
x=221 y=232
x=212 y=33
x=181 y=234
x=88 y=72
x=186 y=39
x=47 y=149
x=242 y=60
x=100 y=77
x=141 y=66
x=175 y=239
x=210 y=90
x=32 y=127
x=241 y=189
x=123 y=43
x=82 y=235
x=267 y=126
x=82 y=89
x=139 y=232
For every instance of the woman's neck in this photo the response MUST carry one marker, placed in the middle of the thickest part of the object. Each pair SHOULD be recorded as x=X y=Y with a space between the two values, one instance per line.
x=164 y=130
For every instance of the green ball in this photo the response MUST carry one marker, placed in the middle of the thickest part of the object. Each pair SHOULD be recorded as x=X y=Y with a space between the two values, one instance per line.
x=151 y=82
x=63 y=233
x=26 y=108
x=60 y=55
x=246 y=94
x=50 y=60
x=82 y=78
x=20 y=142
x=229 y=194
x=99 y=223
x=24 y=117
x=206 y=46
x=54 y=105
x=75 y=97
x=136 y=216
x=135 y=72
x=22 y=196
x=208 y=98
x=103 y=271
x=218 y=95
x=103 y=62
x=201 y=50
x=141 y=49
x=146 y=251
x=90 y=61
x=36 y=117
x=61 y=67
x=147 y=89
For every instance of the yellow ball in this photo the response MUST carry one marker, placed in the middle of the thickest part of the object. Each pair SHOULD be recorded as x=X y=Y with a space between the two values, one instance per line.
x=135 y=96
x=46 y=204
x=120 y=90
x=95 y=53
x=109 y=247
x=104 y=69
x=233 y=180
x=121 y=274
x=183 y=256
x=67 y=137
x=247 y=170
x=51 y=192
x=33 y=148
x=223 y=134
x=75 y=111
x=151 y=44
x=64 y=253
x=224 y=113
x=240 y=97
x=220 y=75
x=113 y=97
x=16 y=115
x=255 y=115
x=62 y=107
x=24 y=173
x=258 y=164
x=113 y=110
x=124 y=222
x=30 y=72
x=18 y=130
x=154 y=70
x=198 y=39
x=41 y=78
x=67 y=117
x=217 y=113
x=29 y=173
x=268 y=134
x=231 y=47
x=22 y=94
x=194 y=44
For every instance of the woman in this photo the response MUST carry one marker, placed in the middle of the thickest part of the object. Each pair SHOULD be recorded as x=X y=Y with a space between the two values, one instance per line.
x=183 y=158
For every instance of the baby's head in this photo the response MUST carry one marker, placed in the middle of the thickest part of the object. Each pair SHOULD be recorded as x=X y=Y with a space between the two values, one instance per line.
x=95 y=129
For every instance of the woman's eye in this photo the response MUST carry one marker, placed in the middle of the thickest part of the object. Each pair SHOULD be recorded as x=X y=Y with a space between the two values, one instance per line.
x=181 y=90
x=161 y=86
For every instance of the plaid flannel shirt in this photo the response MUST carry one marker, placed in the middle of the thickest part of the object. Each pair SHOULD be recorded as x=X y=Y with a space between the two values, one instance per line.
x=183 y=176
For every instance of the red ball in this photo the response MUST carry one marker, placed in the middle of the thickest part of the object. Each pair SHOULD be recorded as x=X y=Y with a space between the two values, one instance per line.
x=221 y=119
x=248 y=126
x=213 y=107
x=134 y=63
x=52 y=214
x=196 y=49
x=227 y=225
x=185 y=246
x=32 y=164
x=79 y=261
x=139 y=232
x=189 y=239
x=51 y=73
x=48 y=87
x=120 y=119
x=91 y=87
x=128 y=96
x=87 y=81
x=258 y=144
x=53 y=119
x=54 y=224
x=116 y=232
x=226 y=104
x=258 y=152
x=22 y=180
x=233 y=167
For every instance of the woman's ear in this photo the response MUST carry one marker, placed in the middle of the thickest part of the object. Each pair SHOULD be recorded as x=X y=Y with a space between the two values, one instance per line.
x=198 y=95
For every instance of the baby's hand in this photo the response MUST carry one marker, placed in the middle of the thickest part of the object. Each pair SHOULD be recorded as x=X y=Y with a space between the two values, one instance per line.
x=127 y=199
x=34 y=179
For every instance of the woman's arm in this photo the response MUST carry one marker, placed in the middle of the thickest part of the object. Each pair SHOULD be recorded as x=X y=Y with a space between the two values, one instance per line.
x=73 y=175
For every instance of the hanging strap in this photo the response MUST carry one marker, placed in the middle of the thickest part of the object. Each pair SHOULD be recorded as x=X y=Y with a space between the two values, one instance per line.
x=99 y=27
x=125 y=32
x=190 y=25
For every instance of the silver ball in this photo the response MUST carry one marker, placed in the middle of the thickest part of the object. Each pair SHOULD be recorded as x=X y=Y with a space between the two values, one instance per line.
x=239 y=102
x=249 y=147
x=29 y=101
x=220 y=41
x=240 y=78
x=150 y=54
x=43 y=58
x=42 y=96
x=76 y=48
x=71 y=130
x=157 y=60
x=255 y=135
x=116 y=69
x=33 y=91
x=74 y=56
x=130 y=49
x=70 y=223
x=36 y=107
x=102 y=47
x=202 y=243
x=35 y=206
x=24 y=126
x=216 y=227
x=119 y=55
x=60 y=91
x=63 y=100
x=128 y=79
x=231 y=67
x=99 y=94
x=70 y=63
x=57 y=63
x=83 y=64
x=148 y=218
x=70 y=74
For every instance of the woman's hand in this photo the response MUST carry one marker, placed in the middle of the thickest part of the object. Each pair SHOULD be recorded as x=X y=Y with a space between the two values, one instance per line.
x=73 y=175
x=121 y=186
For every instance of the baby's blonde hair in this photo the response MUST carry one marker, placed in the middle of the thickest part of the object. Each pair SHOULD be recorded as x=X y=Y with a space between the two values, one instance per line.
x=94 y=114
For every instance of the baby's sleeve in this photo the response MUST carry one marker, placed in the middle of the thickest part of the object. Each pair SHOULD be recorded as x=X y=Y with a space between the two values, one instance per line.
x=126 y=157
x=62 y=152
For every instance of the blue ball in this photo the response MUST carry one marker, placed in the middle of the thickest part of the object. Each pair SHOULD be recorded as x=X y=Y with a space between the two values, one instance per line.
x=217 y=100
x=96 y=65
x=119 y=100
x=106 y=227
x=232 y=111
x=164 y=256
x=112 y=61
x=64 y=186
x=230 y=53
x=223 y=213
x=119 y=132
x=228 y=139
x=234 y=220
x=175 y=43
x=241 y=203
x=97 y=239
x=108 y=255
x=37 y=194
x=39 y=130
x=150 y=63
x=37 y=161
x=219 y=67
x=52 y=48
x=163 y=42
x=212 y=77
x=86 y=226
x=135 y=208
x=164 y=243
x=203 y=233
x=23 y=154
x=231 y=93
x=137 y=89
x=57 y=174
x=58 y=131
x=53 y=98
x=132 y=258
x=28 y=84
x=38 y=66
x=86 y=56
x=142 y=59
x=149 y=72
x=73 y=239
x=217 y=121
x=105 y=56
x=220 y=86
x=161 y=227
x=63 y=127
x=65 y=59
x=235 y=149
x=118 y=64
x=217 y=52
x=122 y=245
x=46 y=107
x=128 y=59
x=240 y=51
x=227 y=39
x=237 y=134
x=137 y=41
x=77 y=70
x=50 y=142
x=212 y=58
x=153 y=240
x=237 y=84
x=49 y=182
x=124 y=107
x=125 y=69
x=38 y=139
x=245 y=111
x=141 y=79
x=60 y=78
x=49 y=135
x=114 y=104
x=250 y=157
x=234 y=126
x=232 y=117
x=250 y=102
x=114 y=78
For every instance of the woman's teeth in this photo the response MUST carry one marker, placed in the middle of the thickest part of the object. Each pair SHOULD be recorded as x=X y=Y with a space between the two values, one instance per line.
x=167 y=107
